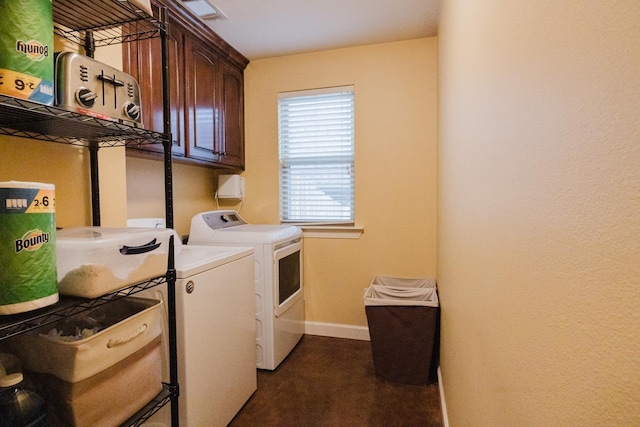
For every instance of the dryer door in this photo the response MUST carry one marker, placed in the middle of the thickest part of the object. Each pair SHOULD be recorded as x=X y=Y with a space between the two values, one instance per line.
x=287 y=276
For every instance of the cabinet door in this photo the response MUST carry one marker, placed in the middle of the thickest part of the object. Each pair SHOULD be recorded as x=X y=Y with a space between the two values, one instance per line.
x=202 y=106
x=143 y=60
x=232 y=117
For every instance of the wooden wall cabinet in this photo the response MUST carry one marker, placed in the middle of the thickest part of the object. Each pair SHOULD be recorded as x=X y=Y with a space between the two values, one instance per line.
x=142 y=59
x=207 y=93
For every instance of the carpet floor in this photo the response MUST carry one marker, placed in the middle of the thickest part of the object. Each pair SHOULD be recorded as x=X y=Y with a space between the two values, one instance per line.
x=331 y=382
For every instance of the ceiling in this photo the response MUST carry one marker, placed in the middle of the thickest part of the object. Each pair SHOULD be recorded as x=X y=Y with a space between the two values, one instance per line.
x=267 y=28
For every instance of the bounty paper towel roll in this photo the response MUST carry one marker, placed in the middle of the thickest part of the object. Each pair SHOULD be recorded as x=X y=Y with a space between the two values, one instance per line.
x=28 y=277
x=26 y=50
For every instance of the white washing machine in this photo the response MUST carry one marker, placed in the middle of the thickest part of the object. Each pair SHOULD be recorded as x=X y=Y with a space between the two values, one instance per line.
x=279 y=291
x=215 y=332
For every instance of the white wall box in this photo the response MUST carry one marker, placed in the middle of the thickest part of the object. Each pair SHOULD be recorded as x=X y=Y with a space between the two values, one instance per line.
x=230 y=187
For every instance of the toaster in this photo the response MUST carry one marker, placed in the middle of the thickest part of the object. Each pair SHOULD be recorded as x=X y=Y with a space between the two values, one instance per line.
x=87 y=86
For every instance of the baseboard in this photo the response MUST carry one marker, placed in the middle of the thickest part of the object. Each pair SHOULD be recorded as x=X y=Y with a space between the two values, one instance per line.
x=443 y=404
x=337 y=330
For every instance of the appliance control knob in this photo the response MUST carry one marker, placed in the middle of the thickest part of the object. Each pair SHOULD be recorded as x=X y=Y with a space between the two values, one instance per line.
x=132 y=110
x=86 y=97
x=190 y=287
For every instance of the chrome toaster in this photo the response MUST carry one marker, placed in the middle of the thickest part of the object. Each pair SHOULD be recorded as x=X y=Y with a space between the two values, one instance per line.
x=87 y=86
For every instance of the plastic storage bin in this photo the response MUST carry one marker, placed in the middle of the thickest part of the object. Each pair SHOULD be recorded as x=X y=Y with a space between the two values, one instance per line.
x=402 y=326
x=93 y=261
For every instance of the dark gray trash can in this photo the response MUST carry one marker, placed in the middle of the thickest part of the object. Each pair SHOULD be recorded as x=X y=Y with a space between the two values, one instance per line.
x=402 y=326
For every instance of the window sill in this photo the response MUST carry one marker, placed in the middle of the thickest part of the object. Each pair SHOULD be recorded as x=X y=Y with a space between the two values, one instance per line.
x=331 y=232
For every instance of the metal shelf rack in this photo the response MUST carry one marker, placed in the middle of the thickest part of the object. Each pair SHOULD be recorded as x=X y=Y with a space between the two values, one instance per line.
x=105 y=20
x=24 y=118
x=17 y=324
x=96 y=23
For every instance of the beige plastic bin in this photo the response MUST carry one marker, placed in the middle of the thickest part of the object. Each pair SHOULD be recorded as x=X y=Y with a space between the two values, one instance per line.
x=128 y=325
x=103 y=379
x=108 y=398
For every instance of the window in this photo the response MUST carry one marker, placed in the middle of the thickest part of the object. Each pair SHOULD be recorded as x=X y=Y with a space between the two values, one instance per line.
x=316 y=140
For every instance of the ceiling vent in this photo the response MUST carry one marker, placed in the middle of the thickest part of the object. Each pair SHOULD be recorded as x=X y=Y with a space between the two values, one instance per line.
x=203 y=9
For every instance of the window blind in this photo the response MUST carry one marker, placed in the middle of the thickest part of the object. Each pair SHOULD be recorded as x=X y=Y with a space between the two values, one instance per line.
x=316 y=151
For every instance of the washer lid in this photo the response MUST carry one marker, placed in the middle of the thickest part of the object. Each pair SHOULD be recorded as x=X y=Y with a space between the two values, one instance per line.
x=195 y=259
x=256 y=233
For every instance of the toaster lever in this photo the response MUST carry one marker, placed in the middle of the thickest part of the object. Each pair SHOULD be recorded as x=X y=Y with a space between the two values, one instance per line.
x=111 y=79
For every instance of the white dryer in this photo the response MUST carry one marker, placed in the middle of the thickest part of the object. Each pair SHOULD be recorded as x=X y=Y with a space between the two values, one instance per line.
x=279 y=291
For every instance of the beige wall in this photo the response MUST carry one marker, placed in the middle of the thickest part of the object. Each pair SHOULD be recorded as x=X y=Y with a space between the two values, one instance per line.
x=193 y=190
x=65 y=166
x=539 y=212
x=395 y=139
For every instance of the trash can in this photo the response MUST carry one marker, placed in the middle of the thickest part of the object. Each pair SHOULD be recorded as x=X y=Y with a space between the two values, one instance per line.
x=402 y=326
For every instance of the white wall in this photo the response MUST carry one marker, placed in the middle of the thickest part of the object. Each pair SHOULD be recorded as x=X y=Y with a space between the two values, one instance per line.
x=539 y=212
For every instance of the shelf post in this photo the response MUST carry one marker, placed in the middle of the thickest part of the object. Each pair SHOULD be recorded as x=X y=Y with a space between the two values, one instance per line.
x=168 y=182
x=95 y=184
x=89 y=44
